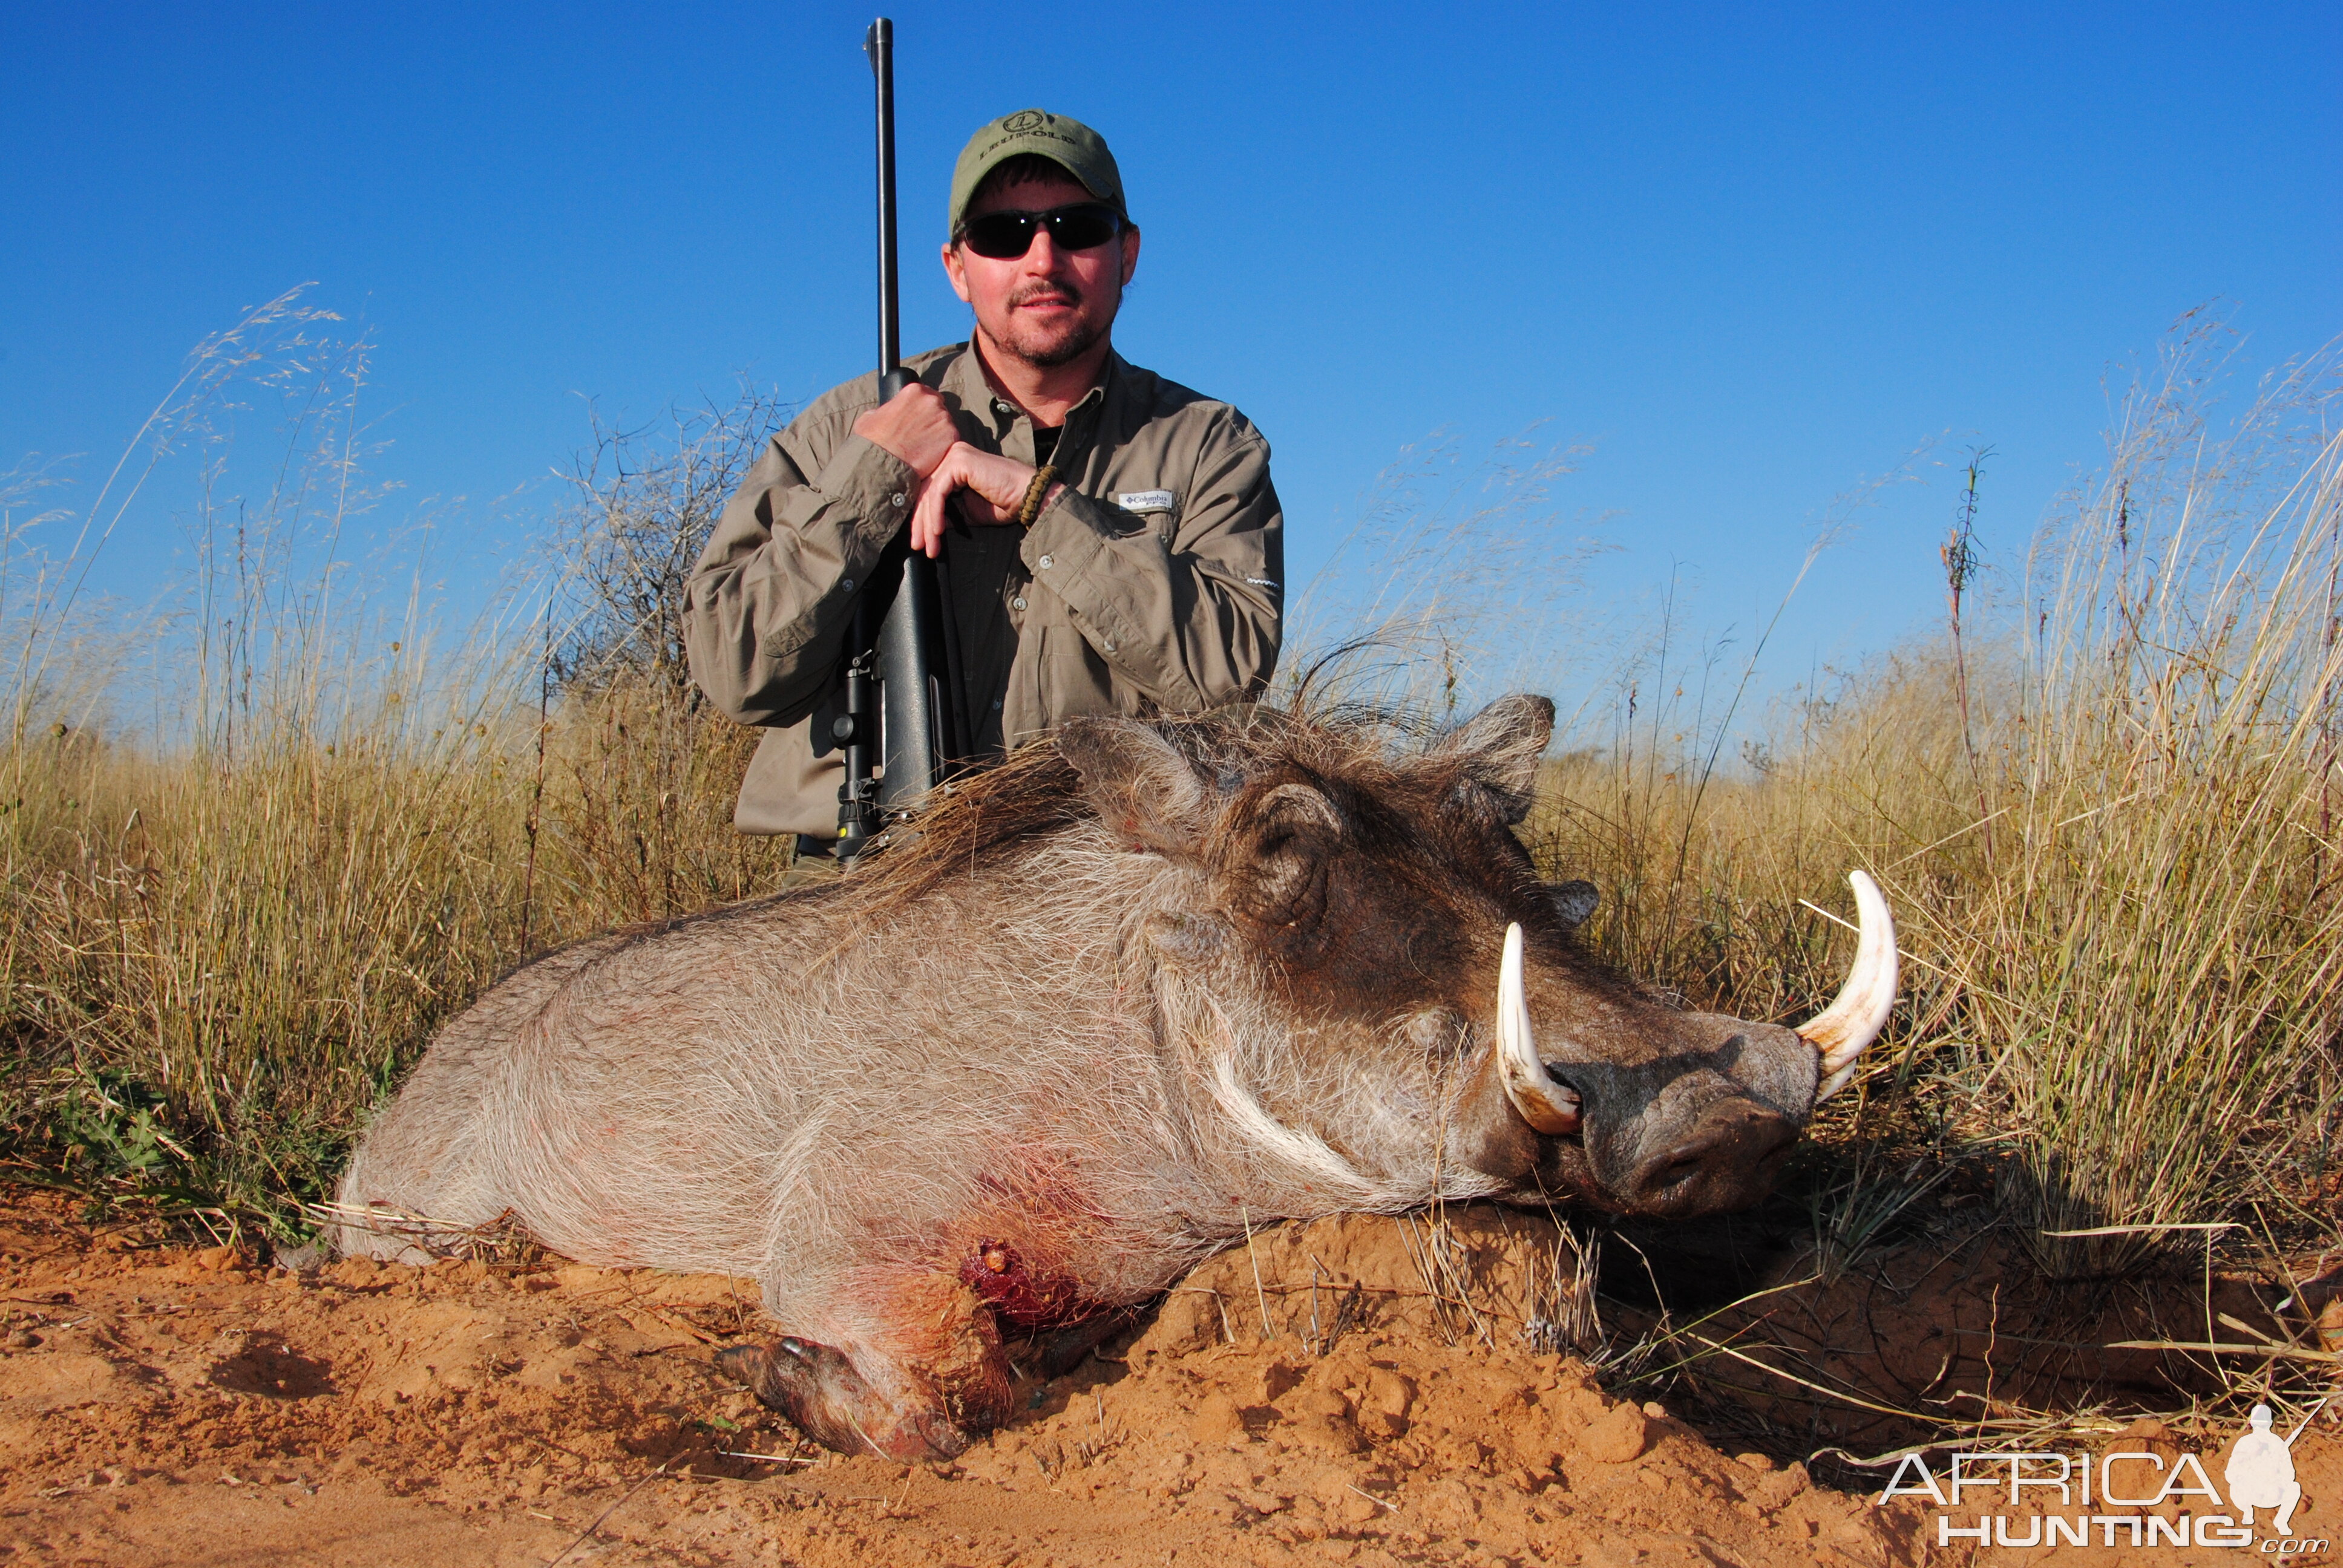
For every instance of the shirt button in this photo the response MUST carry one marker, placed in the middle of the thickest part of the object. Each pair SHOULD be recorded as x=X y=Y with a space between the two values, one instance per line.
x=848 y=584
x=1017 y=603
x=996 y=705
x=1046 y=562
x=1107 y=644
x=897 y=499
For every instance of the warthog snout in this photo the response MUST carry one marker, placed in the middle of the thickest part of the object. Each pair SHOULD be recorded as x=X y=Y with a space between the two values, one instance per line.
x=1646 y=1110
x=1701 y=1123
x=1726 y=1159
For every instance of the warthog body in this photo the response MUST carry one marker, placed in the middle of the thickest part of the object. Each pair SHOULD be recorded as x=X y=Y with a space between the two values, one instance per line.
x=1122 y=996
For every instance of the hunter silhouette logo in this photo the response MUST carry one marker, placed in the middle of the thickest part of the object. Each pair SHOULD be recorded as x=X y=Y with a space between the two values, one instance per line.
x=2260 y=1471
x=2260 y=1474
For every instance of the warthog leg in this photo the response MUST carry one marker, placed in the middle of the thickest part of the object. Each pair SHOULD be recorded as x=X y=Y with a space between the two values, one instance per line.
x=1062 y=1351
x=929 y=1384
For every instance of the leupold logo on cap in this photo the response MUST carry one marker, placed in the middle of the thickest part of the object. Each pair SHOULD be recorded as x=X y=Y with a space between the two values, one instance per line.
x=1022 y=121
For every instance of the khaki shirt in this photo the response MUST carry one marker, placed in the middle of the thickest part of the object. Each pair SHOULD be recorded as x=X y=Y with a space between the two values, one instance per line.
x=1152 y=583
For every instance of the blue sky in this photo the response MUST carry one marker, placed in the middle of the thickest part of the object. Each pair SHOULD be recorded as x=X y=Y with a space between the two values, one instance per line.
x=1751 y=254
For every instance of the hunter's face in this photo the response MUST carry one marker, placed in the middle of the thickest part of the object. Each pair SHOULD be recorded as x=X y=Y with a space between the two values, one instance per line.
x=1050 y=305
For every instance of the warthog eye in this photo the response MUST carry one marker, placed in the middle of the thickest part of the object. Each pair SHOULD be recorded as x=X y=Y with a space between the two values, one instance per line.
x=1279 y=880
x=1288 y=886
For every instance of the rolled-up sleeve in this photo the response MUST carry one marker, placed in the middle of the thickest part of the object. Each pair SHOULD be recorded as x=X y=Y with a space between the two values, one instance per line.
x=767 y=607
x=1192 y=620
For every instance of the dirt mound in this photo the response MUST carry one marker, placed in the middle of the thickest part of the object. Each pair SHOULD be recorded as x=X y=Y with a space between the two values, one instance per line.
x=1362 y=1391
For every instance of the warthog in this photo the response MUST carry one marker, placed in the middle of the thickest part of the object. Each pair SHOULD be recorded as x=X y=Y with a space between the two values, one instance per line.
x=1123 y=995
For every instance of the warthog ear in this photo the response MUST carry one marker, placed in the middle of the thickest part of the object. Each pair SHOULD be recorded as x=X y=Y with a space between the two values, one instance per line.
x=1502 y=745
x=1143 y=788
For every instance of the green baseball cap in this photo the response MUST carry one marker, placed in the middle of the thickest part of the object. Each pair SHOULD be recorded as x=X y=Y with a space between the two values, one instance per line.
x=1070 y=144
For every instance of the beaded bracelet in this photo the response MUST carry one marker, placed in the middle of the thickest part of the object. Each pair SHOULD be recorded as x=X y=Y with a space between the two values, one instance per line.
x=1034 y=494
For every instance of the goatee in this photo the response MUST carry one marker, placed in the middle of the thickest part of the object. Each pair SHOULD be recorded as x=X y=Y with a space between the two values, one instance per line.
x=1072 y=347
x=1045 y=350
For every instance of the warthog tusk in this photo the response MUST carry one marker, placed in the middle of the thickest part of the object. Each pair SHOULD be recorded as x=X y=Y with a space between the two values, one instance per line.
x=1841 y=1030
x=1544 y=1103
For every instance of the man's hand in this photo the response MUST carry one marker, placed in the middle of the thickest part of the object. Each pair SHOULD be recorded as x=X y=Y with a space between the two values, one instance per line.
x=916 y=426
x=993 y=490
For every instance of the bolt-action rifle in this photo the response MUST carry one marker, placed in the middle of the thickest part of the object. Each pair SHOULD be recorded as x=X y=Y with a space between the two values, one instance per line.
x=902 y=703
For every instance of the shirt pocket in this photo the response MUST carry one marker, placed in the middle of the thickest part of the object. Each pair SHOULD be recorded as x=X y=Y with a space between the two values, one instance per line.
x=1157 y=511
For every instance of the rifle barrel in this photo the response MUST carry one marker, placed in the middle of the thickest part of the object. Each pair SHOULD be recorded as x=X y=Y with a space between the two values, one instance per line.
x=880 y=45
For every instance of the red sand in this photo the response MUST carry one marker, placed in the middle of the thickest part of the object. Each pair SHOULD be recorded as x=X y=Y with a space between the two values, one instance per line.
x=168 y=1407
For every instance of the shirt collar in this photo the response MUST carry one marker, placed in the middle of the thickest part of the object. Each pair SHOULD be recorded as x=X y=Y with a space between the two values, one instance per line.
x=966 y=383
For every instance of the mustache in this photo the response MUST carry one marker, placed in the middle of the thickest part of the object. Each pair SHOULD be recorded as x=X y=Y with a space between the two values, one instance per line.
x=1049 y=290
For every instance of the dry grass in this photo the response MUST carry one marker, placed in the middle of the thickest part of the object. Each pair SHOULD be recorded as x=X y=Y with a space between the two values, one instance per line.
x=227 y=929
x=256 y=950
x=2118 y=895
x=225 y=933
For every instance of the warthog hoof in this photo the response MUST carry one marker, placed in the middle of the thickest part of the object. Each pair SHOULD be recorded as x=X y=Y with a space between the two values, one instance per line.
x=819 y=1389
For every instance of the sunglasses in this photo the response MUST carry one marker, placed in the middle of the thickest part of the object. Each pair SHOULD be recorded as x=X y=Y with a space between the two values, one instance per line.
x=1005 y=236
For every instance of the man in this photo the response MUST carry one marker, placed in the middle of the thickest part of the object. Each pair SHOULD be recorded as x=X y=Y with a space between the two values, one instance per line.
x=1107 y=541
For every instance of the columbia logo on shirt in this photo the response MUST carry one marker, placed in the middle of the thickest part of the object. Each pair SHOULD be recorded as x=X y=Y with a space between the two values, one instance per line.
x=1148 y=501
